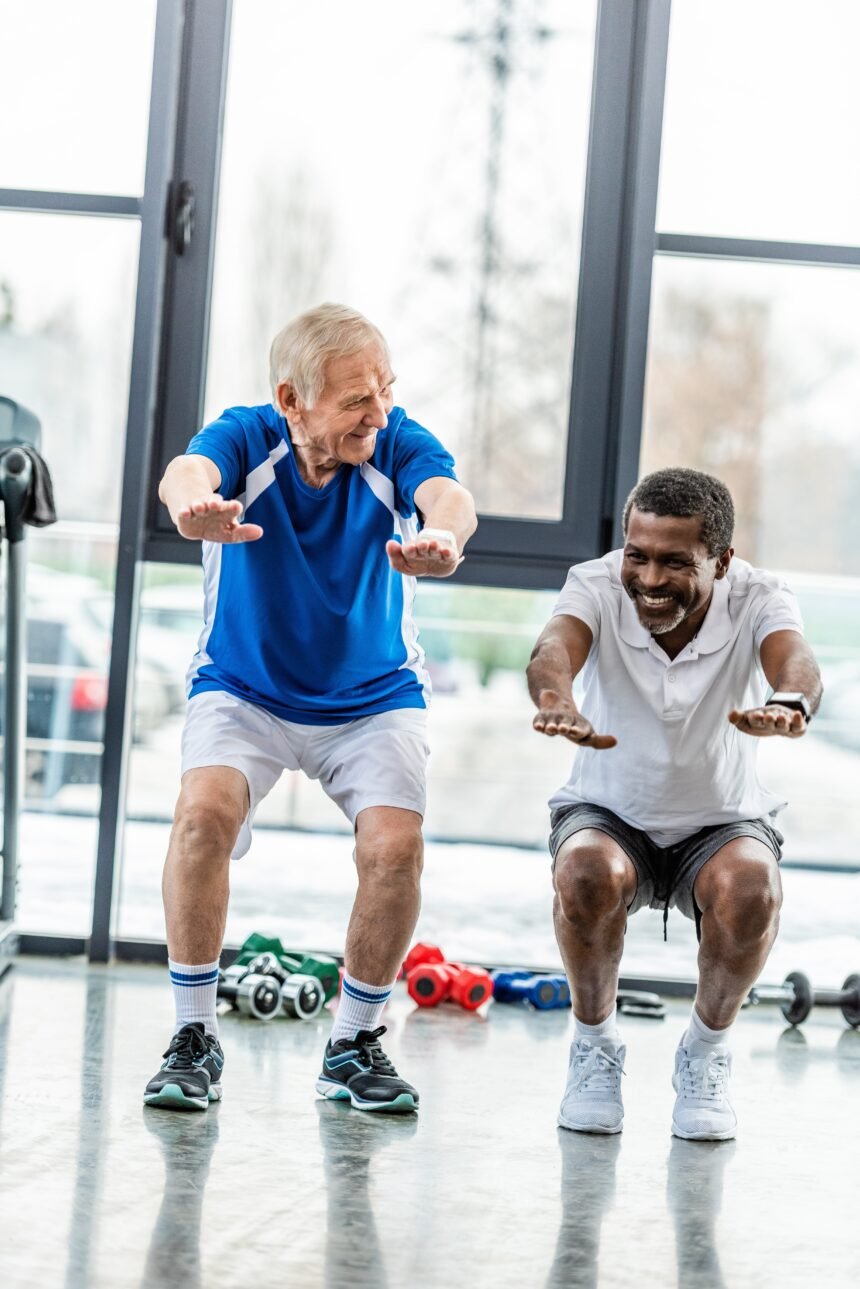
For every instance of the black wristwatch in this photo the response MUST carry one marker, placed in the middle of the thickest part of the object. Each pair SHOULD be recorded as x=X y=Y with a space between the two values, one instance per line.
x=798 y=702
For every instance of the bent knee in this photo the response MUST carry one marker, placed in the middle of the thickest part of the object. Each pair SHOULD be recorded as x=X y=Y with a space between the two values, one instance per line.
x=592 y=882
x=205 y=828
x=390 y=858
x=744 y=897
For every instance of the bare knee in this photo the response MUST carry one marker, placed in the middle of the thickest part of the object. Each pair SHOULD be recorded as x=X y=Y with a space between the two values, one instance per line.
x=744 y=899
x=390 y=857
x=591 y=883
x=204 y=828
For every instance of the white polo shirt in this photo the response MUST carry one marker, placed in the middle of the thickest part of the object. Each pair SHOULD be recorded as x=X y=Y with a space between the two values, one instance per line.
x=679 y=764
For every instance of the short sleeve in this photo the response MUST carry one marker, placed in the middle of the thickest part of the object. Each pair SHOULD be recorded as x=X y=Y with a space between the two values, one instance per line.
x=579 y=599
x=778 y=611
x=417 y=455
x=225 y=442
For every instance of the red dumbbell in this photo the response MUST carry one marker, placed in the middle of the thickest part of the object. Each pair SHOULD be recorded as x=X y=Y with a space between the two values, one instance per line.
x=431 y=983
x=420 y=954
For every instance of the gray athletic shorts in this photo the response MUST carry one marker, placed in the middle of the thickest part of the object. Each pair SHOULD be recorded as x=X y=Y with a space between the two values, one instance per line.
x=665 y=873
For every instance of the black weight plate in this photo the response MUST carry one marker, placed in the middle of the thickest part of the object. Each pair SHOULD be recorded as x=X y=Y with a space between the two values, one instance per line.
x=799 y=1008
x=851 y=1006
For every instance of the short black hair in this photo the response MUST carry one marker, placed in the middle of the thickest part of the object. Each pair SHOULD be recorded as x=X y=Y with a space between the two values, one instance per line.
x=680 y=492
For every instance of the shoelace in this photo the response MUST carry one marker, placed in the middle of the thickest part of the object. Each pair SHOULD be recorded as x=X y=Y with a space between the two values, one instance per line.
x=705 y=1077
x=367 y=1042
x=185 y=1048
x=596 y=1072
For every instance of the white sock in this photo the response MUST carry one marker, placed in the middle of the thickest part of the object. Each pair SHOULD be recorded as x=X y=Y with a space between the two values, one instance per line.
x=194 y=992
x=699 y=1032
x=607 y=1028
x=360 y=1007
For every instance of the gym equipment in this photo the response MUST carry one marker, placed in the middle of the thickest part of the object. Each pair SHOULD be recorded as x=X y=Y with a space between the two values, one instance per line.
x=422 y=955
x=636 y=1002
x=302 y=996
x=546 y=993
x=796 y=998
x=431 y=980
x=437 y=982
x=249 y=992
x=324 y=968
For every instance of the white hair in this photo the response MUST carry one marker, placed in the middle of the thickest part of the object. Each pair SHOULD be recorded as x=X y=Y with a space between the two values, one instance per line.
x=300 y=351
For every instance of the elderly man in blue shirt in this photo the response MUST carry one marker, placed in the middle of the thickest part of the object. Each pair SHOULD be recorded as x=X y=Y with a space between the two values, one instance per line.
x=316 y=512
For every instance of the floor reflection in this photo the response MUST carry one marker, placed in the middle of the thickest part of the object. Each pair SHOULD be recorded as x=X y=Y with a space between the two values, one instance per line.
x=353 y=1255
x=694 y=1197
x=187 y=1142
x=587 y=1192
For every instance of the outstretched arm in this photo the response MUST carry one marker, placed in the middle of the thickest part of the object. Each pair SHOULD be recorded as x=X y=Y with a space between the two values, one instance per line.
x=790 y=666
x=559 y=655
x=449 y=521
x=199 y=512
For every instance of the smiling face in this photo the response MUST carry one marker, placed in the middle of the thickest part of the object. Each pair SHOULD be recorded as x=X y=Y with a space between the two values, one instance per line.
x=667 y=571
x=341 y=427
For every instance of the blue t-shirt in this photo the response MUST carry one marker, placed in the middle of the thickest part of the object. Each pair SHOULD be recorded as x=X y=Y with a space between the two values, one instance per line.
x=310 y=621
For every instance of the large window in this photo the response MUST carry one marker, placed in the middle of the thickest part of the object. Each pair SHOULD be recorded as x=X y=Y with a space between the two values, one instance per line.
x=73 y=117
x=428 y=167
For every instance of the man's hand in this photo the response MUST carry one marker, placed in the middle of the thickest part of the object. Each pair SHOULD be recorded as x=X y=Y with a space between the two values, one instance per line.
x=212 y=519
x=764 y=722
x=555 y=716
x=424 y=557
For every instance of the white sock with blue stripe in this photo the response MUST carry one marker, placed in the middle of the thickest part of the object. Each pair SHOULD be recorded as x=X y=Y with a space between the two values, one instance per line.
x=194 y=992
x=360 y=1007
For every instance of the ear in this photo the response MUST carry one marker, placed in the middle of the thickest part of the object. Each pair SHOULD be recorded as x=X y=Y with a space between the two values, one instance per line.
x=289 y=403
x=723 y=562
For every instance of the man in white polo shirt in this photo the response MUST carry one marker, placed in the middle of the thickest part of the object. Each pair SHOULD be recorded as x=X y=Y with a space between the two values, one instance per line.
x=679 y=642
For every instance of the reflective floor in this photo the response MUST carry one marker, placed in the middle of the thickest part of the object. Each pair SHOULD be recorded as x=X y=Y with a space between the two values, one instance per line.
x=275 y=1188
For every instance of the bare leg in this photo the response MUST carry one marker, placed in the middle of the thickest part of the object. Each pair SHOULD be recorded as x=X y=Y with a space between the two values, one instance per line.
x=389 y=856
x=739 y=893
x=594 y=883
x=212 y=805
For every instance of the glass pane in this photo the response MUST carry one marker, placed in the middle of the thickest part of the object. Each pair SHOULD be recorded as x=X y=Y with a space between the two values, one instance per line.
x=466 y=256
x=74 y=94
x=67 y=288
x=754 y=376
x=759 y=136
x=66 y=315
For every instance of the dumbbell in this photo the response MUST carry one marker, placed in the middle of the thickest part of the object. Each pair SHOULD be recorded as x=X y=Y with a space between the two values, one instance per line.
x=302 y=996
x=324 y=968
x=421 y=955
x=636 y=1002
x=546 y=993
x=249 y=992
x=796 y=998
x=434 y=982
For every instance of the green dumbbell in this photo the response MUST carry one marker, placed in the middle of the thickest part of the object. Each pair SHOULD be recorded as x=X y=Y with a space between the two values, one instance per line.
x=324 y=968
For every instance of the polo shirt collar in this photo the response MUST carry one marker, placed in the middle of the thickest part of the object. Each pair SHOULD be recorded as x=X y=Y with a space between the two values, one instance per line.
x=714 y=633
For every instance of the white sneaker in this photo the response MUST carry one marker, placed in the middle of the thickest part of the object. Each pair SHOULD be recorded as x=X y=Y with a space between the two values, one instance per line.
x=592 y=1097
x=703 y=1111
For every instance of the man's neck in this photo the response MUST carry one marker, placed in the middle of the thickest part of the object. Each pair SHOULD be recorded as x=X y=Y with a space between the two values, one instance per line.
x=315 y=467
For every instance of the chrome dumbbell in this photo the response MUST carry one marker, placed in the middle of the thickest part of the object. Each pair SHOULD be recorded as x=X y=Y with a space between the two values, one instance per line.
x=250 y=993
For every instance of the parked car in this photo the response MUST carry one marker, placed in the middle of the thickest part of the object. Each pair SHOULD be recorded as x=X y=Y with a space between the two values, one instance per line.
x=68 y=655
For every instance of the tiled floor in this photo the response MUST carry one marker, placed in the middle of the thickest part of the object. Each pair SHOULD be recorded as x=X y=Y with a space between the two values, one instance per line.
x=275 y=1188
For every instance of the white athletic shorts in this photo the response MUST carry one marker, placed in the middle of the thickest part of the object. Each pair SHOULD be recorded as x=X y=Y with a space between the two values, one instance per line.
x=373 y=761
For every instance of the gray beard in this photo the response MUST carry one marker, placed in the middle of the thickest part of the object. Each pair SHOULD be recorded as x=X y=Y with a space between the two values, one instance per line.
x=669 y=625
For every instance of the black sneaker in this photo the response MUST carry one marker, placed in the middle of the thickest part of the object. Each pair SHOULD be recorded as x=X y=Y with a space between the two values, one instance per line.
x=191 y=1075
x=357 y=1070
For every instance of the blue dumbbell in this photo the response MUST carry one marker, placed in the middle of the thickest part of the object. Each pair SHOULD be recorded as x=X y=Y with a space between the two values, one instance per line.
x=543 y=992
